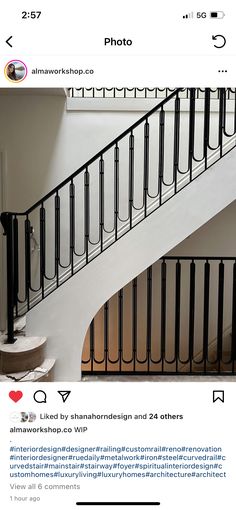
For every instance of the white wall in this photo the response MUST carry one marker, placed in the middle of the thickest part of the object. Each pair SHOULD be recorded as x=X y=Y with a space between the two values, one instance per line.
x=45 y=144
x=214 y=238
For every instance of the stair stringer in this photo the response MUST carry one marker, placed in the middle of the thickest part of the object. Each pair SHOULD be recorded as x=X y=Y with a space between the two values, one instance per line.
x=64 y=316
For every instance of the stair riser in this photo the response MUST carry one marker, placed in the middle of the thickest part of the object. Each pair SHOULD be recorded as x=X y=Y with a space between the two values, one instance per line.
x=44 y=373
x=19 y=362
x=49 y=377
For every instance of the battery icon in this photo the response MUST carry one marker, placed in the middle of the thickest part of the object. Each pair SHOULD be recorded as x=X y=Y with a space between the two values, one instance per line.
x=217 y=14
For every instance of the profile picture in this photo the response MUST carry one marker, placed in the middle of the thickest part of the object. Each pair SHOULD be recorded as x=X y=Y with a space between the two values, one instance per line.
x=15 y=71
x=15 y=417
x=24 y=417
x=31 y=417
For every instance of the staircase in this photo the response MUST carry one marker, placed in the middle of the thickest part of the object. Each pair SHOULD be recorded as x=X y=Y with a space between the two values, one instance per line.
x=122 y=210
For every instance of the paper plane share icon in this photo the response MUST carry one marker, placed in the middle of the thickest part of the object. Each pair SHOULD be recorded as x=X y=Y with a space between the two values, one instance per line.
x=64 y=395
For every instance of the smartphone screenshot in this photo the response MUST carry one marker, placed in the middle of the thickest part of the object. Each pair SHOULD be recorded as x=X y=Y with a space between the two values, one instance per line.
x=117 y=255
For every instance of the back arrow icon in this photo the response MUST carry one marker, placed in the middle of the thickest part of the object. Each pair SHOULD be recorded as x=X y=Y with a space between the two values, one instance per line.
x=7 y=41
x=223 y=40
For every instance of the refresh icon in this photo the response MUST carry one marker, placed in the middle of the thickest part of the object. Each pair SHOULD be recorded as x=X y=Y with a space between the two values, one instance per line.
x=220 y=41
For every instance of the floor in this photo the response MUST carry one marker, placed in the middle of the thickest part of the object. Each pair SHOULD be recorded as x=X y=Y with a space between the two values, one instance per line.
x=157 y=378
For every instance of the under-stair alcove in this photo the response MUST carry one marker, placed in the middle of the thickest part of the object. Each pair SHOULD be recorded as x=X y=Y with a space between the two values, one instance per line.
x=176 y=317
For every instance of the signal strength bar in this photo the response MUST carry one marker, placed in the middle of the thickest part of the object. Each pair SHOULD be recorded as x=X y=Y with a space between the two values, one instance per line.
x=188 y=16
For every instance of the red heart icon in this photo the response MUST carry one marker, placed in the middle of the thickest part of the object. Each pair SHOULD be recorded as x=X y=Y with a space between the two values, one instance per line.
x=15 y=395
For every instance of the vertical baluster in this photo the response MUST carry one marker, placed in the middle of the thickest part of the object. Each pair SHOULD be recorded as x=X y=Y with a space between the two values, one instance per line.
x=120 y=327
x=176 y=142
x=91 y=341
x=134 y=322
x=191 y=131
x=177 y=311
x=206 y=312
x=191 y=313
x=161 y=151
x=220 y=317
x=27 y=260
x=221 y=119
x=224 y=110
x=42 y=237
x=86 y=213
x=106 y=333
x=7 y=223
x=149 y=316
x=131 y=177
x=116 y=189
x=163 y=312
x=146 y=165
x=72 y=224
x=16 y=263
x=101 y=200
x=233 y=342
x=206 y=124
x=57 y=236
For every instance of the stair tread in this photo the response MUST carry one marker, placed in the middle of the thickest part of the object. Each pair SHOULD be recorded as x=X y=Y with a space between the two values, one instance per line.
x=22 y=344
x=29 y=375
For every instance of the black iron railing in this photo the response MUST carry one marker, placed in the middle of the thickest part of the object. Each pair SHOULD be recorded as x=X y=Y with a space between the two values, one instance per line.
x=178 y=317
x=138 y=92
x=120 y=186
